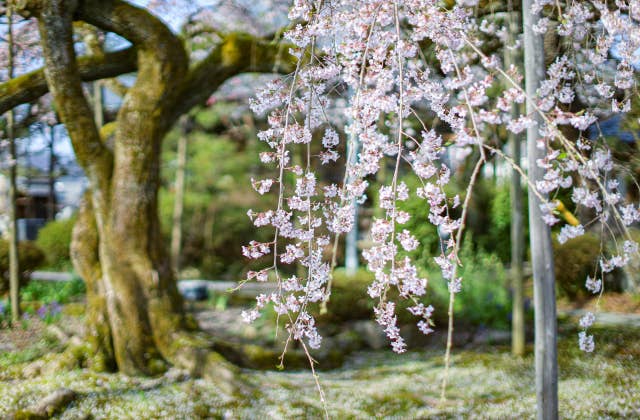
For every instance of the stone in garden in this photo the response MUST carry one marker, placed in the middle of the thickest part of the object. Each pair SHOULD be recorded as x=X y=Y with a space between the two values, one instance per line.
x=195 y=290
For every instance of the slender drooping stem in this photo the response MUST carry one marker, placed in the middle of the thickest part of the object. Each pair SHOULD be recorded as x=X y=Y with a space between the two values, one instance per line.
x=452 y=295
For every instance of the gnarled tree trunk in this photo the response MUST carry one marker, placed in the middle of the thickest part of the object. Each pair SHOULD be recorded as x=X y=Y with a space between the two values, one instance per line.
x=134 y=307
x=135 y=316
x=86 y=260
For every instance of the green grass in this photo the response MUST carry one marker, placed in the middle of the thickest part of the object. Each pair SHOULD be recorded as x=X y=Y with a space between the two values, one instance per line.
x=53 y=291
x=10 y=359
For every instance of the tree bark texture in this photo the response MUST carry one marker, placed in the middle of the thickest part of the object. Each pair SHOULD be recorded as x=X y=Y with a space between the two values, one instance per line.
x=546 y=360
x=135 y=318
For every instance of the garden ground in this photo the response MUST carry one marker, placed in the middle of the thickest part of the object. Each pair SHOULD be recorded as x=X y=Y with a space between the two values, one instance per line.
x=485 y=382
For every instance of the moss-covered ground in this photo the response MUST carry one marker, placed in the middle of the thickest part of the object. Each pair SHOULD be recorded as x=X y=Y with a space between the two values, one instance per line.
x=485 y=382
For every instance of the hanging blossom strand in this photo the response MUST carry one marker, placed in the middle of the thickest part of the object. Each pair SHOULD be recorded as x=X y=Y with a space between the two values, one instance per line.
x=372 y=49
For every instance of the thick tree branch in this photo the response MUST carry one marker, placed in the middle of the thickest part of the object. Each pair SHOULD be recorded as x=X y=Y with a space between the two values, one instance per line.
x=238 y=53
x=162 y=61
x=62 y=75
x=32 y=85
x=116 y=86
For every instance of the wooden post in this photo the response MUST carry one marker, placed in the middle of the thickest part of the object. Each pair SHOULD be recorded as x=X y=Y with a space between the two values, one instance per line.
x=517 y=219
x=517 y=254
x=98 y=103
x=546 y=360
x=178 y=204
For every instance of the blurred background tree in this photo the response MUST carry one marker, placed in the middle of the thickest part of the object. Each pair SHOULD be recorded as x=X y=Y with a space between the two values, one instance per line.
x=222 y=157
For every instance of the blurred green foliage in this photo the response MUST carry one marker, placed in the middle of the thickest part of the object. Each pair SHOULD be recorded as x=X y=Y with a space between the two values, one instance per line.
x=484 y=300
x=349 y=299
x=488 y=220
x=52 y=291
x=485 y=297
x=222 y=157
x=498 y=239
x=351 y=302
x=419 y=225
x=574 y=260
x=54 y=239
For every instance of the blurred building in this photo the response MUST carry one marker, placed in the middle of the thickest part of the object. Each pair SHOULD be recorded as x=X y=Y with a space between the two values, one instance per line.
x=35 y=205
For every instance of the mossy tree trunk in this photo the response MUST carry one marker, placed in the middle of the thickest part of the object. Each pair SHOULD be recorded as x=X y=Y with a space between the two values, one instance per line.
x=135 y=316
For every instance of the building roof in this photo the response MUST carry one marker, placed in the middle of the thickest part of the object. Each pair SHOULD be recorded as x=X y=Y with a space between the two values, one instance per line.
x=611 y=127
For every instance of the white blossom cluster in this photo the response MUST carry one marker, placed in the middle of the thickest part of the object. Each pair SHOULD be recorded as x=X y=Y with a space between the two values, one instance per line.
x=372 y=49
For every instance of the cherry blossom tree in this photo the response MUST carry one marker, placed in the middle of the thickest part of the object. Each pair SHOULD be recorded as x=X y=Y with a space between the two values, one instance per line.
x=409 y=63
x=404 y=64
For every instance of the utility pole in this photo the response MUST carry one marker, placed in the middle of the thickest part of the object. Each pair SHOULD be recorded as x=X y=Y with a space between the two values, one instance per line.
x=546 y=358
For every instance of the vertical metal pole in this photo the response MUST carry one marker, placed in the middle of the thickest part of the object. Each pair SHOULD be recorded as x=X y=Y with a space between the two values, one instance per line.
x=351 y=261
x=546 y=359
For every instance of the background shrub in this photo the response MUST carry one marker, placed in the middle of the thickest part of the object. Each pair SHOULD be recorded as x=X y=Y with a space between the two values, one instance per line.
x=484 y=300
x=574 y=260
x=30 y=258
x=215 y=225
x=349 y=299
x=351 y=302
x=54 y=239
